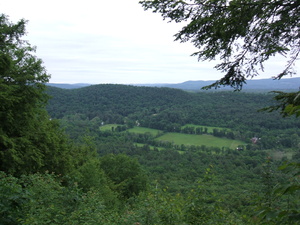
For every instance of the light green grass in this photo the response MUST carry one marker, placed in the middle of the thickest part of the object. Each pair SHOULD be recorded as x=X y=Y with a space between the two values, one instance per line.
x=143 y=130
x=198 y=140
x=209 y=129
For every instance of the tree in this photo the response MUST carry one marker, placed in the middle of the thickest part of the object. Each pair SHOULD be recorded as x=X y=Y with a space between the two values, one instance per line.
x=29 y=140
x=127 y=177
x=288 y=103
x=243 y=34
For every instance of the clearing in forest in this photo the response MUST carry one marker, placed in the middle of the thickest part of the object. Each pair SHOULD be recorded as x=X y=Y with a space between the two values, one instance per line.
x=198 y=140
x=143 y=130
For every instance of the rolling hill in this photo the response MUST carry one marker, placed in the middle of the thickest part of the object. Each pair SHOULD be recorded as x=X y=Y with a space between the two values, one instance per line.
x=261 y=84
x=166 y=108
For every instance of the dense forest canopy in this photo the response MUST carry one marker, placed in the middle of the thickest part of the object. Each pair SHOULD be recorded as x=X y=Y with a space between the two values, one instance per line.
x=113 y=103
x=179 y=168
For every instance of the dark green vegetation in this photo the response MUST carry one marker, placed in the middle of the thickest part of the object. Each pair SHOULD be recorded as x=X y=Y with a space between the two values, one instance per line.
x=169 y=110
x=118 y=174
x=28 y=139
x=220 y=182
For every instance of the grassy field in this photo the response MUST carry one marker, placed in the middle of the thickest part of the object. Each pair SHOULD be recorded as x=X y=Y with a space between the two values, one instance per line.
x=185 y=139
x=192 y=139
x=142 y=130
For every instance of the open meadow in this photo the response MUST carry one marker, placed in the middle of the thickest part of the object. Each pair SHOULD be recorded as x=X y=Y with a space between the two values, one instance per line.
x=143 y=130
x=198 y=140
x=189 y=139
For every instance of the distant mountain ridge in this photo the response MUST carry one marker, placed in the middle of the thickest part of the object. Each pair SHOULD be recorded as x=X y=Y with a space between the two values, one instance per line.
x=262 y=84
x=68 y=86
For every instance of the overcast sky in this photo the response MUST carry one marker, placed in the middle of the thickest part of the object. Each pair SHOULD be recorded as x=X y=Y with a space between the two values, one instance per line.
x=113 y=41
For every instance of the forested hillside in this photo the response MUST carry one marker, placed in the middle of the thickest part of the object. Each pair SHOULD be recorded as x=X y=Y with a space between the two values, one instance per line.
x=168 y=109
x=123 y=155
x=226 y=180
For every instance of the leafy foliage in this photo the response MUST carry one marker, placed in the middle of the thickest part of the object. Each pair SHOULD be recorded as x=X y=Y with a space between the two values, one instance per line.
x=289 y=103
x=103 y=176
x=42 y=199
x=29 y=140
x=126 y=175
x=282 y=202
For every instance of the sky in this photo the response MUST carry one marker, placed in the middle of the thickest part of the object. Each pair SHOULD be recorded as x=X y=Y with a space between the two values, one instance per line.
x=112 y=41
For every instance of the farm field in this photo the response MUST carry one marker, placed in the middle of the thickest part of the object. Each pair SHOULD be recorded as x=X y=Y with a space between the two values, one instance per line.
x=143 y=130
x=198 y=140
x=183 y=139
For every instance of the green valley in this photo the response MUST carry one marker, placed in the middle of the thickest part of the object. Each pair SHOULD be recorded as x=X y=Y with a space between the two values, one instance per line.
x=127 y=155
x=200 y=156
x=181 y=139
